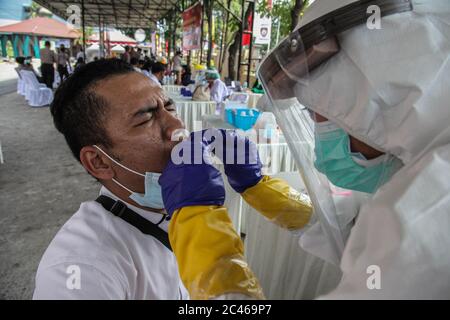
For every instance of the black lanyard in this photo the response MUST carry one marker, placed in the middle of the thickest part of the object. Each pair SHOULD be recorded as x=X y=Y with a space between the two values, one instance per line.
x=119 y=209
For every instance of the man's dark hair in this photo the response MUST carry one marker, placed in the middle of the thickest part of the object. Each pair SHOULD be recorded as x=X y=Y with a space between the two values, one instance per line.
x=158 y=67
x=47 y=43
x=20 y=60
x=78 y=112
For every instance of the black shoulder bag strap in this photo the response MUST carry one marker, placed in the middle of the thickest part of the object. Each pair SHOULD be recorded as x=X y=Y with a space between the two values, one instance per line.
x=119 y=209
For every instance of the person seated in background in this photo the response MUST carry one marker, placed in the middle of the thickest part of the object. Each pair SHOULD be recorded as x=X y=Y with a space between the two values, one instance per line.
x=80 y=62
x=219 y=91
x=157 y=74
x=81 y=54
x=147 y=68
x=257 y=87
x=22 y=65
x=135 y=64
x=186 y=76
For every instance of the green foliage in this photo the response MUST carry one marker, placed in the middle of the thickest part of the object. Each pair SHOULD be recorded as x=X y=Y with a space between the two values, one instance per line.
x=280 y=13
x=35 y=10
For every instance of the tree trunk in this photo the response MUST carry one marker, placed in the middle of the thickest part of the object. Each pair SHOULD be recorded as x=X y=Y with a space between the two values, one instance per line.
x=169 y=34
x=234 y=47
x=224 y=45
x=232 y=55
x=295 y=12
x=174 y=35
x=209 y=14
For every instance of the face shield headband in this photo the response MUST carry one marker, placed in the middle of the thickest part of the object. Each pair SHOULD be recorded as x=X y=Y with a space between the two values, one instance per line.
x=306 y=48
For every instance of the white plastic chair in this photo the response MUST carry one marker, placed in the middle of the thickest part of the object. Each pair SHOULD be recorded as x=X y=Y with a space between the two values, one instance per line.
x=37 y=94
x=240 y=97
x=20 y=84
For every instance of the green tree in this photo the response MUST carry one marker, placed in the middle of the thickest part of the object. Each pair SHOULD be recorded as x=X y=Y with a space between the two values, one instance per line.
x=208 y=6
x=35 y=10
x=286 y=13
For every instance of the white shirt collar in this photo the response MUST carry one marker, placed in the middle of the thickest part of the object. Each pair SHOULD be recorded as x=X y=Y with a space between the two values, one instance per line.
x=153 y=217
x=155 y=79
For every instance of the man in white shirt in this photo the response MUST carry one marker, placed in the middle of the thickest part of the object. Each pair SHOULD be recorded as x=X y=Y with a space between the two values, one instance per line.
x=119 y=126
x=157 y=74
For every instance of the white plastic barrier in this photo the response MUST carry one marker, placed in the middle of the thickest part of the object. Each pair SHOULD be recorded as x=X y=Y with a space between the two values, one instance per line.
x=172 y=89
x=240 y=97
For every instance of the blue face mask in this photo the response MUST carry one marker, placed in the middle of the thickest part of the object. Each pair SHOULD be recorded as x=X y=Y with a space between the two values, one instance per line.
x=346 y=169
x=152 y=197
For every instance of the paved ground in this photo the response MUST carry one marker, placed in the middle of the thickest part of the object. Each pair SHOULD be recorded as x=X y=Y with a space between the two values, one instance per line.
x=8 y=78
x=41 y=186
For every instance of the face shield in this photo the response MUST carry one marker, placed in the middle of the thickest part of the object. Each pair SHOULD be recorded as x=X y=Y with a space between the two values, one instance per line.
x=286 y=75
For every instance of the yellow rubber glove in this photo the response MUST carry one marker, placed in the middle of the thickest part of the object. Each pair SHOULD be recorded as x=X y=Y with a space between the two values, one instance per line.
x=279 y=203
x=210 y=254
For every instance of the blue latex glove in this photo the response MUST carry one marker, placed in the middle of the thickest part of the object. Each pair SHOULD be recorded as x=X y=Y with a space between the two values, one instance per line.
x=239 y=156
x=194 y=182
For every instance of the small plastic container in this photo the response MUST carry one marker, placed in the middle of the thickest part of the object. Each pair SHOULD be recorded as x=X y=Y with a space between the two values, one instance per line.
x=243 y=119
x=229 y=116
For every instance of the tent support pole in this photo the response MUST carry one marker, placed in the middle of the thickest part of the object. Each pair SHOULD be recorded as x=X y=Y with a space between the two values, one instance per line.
x=84 y=29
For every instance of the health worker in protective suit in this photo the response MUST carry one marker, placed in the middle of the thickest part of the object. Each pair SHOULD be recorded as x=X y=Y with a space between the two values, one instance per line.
x=361 y=92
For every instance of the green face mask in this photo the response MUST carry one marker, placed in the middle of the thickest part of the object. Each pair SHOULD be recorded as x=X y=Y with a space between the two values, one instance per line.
x=346 y=169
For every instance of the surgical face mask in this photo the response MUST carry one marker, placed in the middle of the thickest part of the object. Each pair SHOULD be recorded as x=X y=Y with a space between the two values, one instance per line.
x=346 y=169
x=152 y=198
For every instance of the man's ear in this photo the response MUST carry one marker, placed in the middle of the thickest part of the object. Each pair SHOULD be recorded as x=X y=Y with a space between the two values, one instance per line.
x=97 y=164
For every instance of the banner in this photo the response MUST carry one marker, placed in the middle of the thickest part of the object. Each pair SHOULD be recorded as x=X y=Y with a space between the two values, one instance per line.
x=262 y=29
x=246 y=37
x=192 y=22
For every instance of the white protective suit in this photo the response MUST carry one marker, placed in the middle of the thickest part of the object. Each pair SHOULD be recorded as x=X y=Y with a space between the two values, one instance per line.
x=399 y=104
x=219 y=91
x=388 y=88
